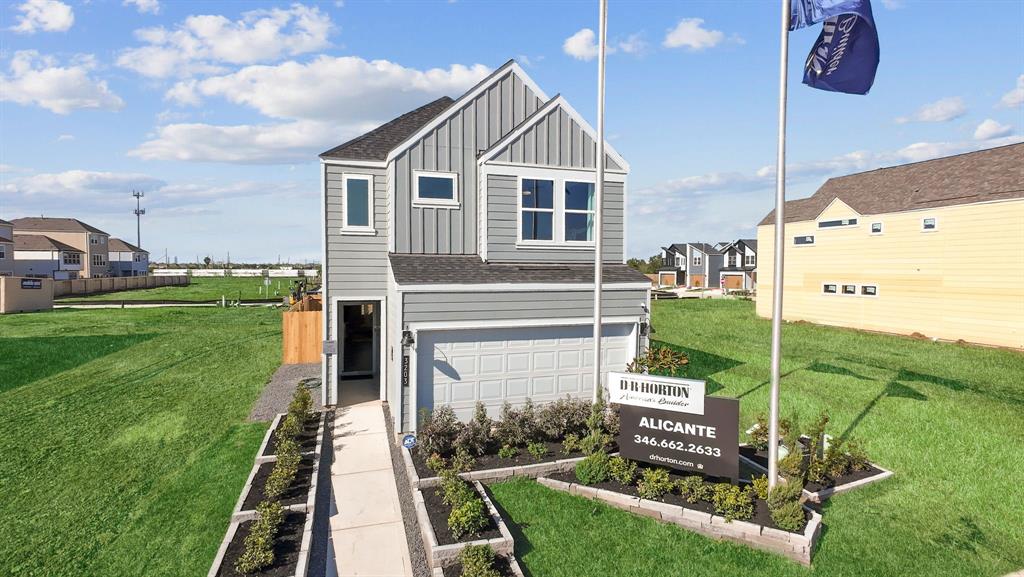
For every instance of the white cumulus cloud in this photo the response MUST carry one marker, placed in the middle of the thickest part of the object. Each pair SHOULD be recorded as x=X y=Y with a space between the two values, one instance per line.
x=942 y=110
x=46 y=15
x=989 y=129
x=202 y=44
x=581 y=45
x=41 y=80
x=690 y=33
x=144 y=6
x=1015 y=97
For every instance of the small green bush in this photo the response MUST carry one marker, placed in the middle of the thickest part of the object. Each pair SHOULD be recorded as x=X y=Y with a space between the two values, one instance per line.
x=789 y=516
x=570 y=444
x=857 y=457
x=538 y=450
x=593 y=469
x=595 y=443
x=289 y=428
x=285 y=469
x=478 y=561
x=654 y=483
x=301 y=405
x=760 y=485
x=436 y=463
x=463 y=460
x=733 y=502
x=468 y=517
x=258 y=551
x=456 y=491
x=566 y=416
x=507 y=452
x=693 y=489
x=612 y=424
x=472 y=439
x=759 y=434
x=517 y=427
x=622 y=470
x=791 y=490
x=438 y=430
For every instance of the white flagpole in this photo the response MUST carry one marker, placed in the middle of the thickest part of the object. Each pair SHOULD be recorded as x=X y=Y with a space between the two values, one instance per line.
x=598 y=191
x=780 y=246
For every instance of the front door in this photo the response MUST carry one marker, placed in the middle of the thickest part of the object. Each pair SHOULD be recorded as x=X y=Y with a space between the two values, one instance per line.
x=359 y=333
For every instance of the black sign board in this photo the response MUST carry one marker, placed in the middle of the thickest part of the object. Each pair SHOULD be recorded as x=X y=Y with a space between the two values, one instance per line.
x=707 y=443
x=31 y=283
x=405 y=370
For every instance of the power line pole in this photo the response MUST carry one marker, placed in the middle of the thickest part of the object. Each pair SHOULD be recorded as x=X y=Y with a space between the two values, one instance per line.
x=139 y=211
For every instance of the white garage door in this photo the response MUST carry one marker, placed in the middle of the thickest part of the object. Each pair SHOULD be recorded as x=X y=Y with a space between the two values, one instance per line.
x=458 y=368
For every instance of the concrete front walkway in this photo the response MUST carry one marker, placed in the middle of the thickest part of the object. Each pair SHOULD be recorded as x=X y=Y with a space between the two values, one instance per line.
x=367 y=534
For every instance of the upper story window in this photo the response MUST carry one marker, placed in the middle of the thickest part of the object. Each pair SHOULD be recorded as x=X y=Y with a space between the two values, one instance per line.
x=72 y=258
x=3 y=252
x=138 y=257
x=849 y=289
x=829 y=288
x=357 y=204
x=732 y=259
x=749 y=260
x=94 y=239
x=698 y=260
x=803 y=240
x=538 y=209
x=835 y=223
x=679 y=260
x=876 y=228
x=99 y=260
x=929 y=224
x=579 y=211
x=435 y=189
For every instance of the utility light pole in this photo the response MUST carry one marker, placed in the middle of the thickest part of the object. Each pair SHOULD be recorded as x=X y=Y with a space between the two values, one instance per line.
x=139 y=211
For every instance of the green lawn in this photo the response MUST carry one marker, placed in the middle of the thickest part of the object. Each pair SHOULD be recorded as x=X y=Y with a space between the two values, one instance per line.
x=123 y=435
x=948 y=419
x=201 y=289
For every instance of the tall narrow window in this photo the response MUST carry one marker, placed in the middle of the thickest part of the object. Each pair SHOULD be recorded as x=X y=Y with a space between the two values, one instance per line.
x=579 y=211
x=357 y=202
x=538 y=202
x=732 y=259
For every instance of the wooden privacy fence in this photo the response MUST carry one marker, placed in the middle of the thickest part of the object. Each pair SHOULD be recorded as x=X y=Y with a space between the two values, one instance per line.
x=301 y=332
x=88 y=286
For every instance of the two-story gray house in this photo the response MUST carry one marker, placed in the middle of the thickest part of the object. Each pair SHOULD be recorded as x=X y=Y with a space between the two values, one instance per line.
x=458 y=255
x=692 y=264
x=739 y=266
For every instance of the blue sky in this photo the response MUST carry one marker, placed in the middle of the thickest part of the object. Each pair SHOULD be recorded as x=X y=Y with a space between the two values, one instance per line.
x=217 y=110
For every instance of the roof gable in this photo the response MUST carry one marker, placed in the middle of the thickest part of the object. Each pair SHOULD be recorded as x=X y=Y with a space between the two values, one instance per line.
x=48 y=224
x=41 y=242
x=118 y=245
x=376 y=144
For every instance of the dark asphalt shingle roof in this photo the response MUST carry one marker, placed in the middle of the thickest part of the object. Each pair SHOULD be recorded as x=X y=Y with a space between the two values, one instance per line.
x=118 y=245
x=47 y=224
x=2 y=221
x=413 y=269
x=376 y=144
x=40 y=242
x=985 y=175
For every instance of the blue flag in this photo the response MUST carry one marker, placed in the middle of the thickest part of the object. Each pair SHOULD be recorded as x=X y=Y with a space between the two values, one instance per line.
x=845 y=56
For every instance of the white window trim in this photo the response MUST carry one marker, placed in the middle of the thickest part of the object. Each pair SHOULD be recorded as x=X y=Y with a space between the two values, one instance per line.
x=698 y=260
x=936 y=219
x=881 y=226
x=558 y=210
x=753 y=259
x=435 y=202
x=835 y=284
x=856 y=289
x=814 y=240
x=861 y=294
x=848 y=225
x=357 y=230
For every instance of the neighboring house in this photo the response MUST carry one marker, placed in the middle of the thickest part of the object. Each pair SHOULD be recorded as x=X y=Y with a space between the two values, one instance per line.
x=40 y=256
x=127 y=259
x=673 y=266
x=91 y=241
x=6 y=248
x=695 y=263
x=739 y=265
x=458 y=255
x=934 y=247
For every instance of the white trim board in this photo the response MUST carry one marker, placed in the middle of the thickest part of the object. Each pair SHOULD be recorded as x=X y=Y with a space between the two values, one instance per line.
x=325 y=380
x=356 y=163
x=521 y=287
x=382 y=338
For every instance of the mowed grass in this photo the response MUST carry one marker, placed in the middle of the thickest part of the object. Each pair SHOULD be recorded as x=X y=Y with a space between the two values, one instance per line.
x=948 y=419
x=123 y=435
x=201 y=289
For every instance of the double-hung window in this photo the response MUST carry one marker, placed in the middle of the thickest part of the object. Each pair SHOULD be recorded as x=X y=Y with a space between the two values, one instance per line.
x=579 y=211
x=749 y=260
x=357 y=204
x=538 y=210
x=697 y=260
x=732 y=259
x=439 y=189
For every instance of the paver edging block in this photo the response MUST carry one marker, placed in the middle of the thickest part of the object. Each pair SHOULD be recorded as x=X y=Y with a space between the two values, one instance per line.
x=530 y=471
x=260 y=457
x=239 y=515
x=823 y=494
x=512 y=563
x=219 y=558
x=797 y=546
x=444 y=555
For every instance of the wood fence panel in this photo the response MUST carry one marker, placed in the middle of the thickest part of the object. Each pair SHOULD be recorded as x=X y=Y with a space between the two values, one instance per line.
x=302 y=342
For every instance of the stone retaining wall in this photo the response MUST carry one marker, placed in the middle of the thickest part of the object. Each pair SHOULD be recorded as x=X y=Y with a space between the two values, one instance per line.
x=444 y=555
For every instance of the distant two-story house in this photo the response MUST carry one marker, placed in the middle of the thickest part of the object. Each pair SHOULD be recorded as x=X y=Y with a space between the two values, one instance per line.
x=127 y=259
x=739 y=266
x=91 y=241
x=40 y=256
x=458 y=255
x=933 y=247
x=694 y=264
x=6 y=248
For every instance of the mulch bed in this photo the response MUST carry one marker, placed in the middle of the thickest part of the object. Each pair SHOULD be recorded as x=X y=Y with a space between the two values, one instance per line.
x=761 y=513
x=306 y=438
x=296 y=494
x=501 y=564
x=491 y=460
x=761 y=458
x=286 y=548
x=438 y=513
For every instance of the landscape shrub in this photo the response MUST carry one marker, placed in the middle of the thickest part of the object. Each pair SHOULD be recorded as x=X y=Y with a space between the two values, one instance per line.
x=517 y=427
x=455 y=491
x=258 y=548
x=285 y=469
x=593 y=469
x=436 y=463
x=654 y=483
x=463 y=460
x=817 y=463
x=439 y=430
x=622 y=470
x=302 y=404
x=760 y=485
x=483 y=422
x=471 y=439
x=468 y=517
x=571 y=444
x=563 y=417
x=732 y=502
x=693 y=489
x=507 y=452
x=791 y=490
x=594 y=443
x=612 y=424
x=478 y=561
x=759 y=432
x=289 y=428
x=789 y=516
x=659 y=360
x=538 y=450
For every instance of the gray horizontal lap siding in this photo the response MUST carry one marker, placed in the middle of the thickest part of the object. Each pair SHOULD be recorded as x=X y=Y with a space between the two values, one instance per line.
x=519 y=305
x=555 y=140
x=453 y=147
x=502 y=223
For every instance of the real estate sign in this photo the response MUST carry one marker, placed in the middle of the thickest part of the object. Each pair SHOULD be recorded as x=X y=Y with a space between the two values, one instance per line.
x=670 y=422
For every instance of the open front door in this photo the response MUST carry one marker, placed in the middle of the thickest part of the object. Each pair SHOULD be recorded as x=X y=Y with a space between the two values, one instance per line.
x=359 y=346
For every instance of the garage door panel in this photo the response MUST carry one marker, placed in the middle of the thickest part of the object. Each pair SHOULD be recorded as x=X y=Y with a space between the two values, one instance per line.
x=464 y=391
x=544 y=361
x=518 y=362
x=543 y=386
x=462 y=366
x=568 y=383
x=490 y=390
x=518 y=387
x=492 y=364
x=568 y=360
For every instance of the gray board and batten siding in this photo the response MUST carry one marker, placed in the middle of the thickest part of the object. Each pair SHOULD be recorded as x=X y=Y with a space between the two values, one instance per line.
x=555 y=140
x=357 y=264
x=428 y=307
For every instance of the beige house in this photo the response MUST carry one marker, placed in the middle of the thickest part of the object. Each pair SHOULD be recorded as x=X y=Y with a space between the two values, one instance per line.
x=40 y=256
x=934 y=248
x=6 y=248
x=74 y=233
